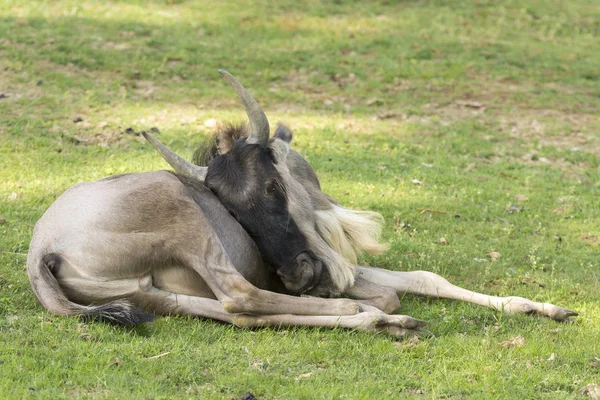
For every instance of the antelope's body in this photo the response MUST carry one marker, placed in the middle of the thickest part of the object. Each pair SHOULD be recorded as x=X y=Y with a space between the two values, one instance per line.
x=127 y=234
x=237 y=240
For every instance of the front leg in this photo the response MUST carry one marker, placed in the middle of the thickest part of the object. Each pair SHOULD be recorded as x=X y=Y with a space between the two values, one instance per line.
x=237 y=295
x=376 y=322
x=428 y=284
x=381 y=297
x=168 y=303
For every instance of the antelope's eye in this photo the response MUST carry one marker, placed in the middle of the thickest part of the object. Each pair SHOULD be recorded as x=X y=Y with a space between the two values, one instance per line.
x=270 y=188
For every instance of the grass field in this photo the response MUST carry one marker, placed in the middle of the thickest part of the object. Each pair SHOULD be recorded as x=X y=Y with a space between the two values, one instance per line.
x=485 y=112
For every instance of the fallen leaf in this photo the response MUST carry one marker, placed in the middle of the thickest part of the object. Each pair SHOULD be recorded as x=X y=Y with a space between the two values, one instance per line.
x=158 y=356
x=304 y=376
x=389 y=114
x=443 y=241
x=592 y=390
x=504 y=174
x=374 y=101
x=589 y=238
x=494 y=255
x=429 y=210
x=86 y=336
x=513 y=208
x=516 y=341
x=13 y=196
x=258 y=365
x=595 y=364
x=551 y=358
x=521 y=198
x=470 y=104
x=408 y=343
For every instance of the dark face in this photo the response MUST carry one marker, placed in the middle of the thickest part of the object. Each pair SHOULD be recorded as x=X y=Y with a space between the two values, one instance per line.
x=248 y=185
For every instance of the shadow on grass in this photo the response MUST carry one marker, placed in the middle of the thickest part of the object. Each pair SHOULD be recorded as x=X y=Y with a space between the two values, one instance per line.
x=162 y=61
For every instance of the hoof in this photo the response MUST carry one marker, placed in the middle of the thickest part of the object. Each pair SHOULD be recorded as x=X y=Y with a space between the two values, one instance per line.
x=563 y=314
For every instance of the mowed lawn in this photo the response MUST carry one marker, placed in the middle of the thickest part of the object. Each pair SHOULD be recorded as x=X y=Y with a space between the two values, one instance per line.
x=472 y=126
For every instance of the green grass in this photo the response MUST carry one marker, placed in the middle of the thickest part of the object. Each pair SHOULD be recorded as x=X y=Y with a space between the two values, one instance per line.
x=483 y=102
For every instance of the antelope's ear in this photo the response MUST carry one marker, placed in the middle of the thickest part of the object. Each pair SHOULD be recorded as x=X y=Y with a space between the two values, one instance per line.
x=279 y=150
x=284 y=133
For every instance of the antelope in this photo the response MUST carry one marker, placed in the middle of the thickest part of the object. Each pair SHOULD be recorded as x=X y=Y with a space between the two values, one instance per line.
x=248 y=238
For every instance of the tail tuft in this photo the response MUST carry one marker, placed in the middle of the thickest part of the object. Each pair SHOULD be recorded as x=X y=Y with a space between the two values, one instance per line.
x=119 y=312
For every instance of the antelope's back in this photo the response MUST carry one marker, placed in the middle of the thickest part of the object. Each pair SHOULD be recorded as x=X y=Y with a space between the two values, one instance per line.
x=125 y=226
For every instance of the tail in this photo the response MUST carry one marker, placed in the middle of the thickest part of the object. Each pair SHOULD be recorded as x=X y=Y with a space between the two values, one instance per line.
x=350 y=232
x=52 y=297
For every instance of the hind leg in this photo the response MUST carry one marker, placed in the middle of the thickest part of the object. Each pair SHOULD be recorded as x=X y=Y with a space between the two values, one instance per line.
x=428 y=284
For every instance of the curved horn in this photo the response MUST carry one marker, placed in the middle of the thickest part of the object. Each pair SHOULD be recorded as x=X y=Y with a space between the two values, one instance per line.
x=259 y=124
x=180 y=165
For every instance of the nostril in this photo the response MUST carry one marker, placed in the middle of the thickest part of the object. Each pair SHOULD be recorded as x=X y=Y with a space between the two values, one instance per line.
x=303 y=258
x=304 y=264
